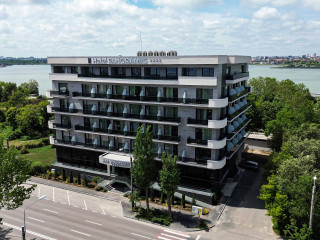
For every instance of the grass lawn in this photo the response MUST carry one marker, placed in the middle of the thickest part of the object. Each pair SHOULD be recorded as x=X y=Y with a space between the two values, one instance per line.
x=18 y=142
x=43 y=156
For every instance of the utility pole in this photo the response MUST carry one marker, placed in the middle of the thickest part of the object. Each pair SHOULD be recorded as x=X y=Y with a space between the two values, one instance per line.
x=8 y=144
x=312 y=200
x=131 y=181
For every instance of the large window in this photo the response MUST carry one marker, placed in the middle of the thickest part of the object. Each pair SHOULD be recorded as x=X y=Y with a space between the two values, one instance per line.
x=189 y=71
x=102 y=88
x=152 y=72
x=117 y=89
x=170 y=130
x=151 y=110
x=135 y=109
x=202 y=154
x=86 y=88
x=103 y=106
x=118 y=71
x=64 y=103
x=118 y=107
x=171 y=112
x=87 y=105
x=134 y=126
x=136 y=72
x=204 y=93
x=171 y=149
x=63 y=88
x=135 y=91
x=58 y=69
x=118 y=125
x=104 y=123
x=154 y=129
x=172 y=72
x=170 y=92
x=88 y=122
x=74 y=69
x=208 y=72
x=151 y=91
x=203 y=134
x=65 y=120
x=204 y=114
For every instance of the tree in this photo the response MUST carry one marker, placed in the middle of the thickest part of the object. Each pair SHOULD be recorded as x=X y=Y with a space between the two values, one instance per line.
x=169 y=177
x=78 y=178
x=135 y=198
x=13 y=173
x=71 y=177
x=32 y=86
x=143 y=169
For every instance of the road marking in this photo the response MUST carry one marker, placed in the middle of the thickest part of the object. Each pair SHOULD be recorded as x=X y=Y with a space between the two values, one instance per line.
x=50 y=210
x=102 y=210
x=85 y=205
x=68 y=197
x=198 y=237
x=35 y=219
x=76 y=206
x=80 y=232
x=93 y=211
x=63 y=203
x=170 y=236
x=30 y=232
x=93 y=222
x=177 y=233
x=39 y=192
x=140 y=236
x=53 y=195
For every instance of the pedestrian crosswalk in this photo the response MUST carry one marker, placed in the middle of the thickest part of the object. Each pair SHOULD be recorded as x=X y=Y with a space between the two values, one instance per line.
x=172 y=235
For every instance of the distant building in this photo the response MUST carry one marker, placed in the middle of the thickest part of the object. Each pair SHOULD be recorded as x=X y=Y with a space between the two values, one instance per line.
x=313 y=55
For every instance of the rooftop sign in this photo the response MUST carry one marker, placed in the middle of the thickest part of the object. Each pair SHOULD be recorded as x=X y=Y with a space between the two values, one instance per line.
x=124 y=60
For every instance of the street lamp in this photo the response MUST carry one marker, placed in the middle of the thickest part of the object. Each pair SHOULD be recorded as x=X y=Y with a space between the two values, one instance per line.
x=312 y=200
x=24 y=229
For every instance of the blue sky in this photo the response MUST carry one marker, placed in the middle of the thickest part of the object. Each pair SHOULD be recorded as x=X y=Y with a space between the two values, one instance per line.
x=111 y=27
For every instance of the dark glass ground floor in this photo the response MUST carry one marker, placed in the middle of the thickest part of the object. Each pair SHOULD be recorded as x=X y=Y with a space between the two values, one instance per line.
x=191 y=176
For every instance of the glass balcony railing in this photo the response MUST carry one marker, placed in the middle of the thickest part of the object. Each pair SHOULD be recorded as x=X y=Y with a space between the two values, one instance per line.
x=60 y=93
x=156 y=77
x=197 y=121
x=240 y=94
x=64 y=126
x=237 y=76
x=197 y=141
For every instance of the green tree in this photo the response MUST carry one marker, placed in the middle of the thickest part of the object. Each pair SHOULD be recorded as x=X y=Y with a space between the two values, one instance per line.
x=11 y=114
x=32 y=86
x=13 y=173
x=79 y=178
x=169 y=177
x=143 y=169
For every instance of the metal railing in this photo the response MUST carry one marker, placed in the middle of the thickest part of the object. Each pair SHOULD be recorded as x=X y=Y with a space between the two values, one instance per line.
x=237 y=76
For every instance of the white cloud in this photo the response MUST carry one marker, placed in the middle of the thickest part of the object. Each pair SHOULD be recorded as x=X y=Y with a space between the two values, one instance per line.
x=190 y=4
x=314 y=4
x=3 y=13
x=265 y=13
x=277 y=3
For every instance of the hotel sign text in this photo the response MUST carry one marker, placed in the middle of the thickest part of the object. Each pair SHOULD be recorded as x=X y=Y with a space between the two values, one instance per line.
x=123 y=60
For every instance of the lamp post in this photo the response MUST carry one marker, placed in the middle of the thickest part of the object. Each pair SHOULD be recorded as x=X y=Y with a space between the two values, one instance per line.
x=24 y=229
x=312 y=200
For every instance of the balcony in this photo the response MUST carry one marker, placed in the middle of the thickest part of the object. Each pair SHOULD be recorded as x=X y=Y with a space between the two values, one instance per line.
x=217 y=144
x=238 y=112
x=156 y=77
x=53 y=125
x=212 y=164
x=211 y=144
x=218 y=103
x=240 y=94
x=197 y=121
x=61 y=94
x=197 y=81
x=142 y=98
x=192 y=141
x=212 y=124
x=231 y=79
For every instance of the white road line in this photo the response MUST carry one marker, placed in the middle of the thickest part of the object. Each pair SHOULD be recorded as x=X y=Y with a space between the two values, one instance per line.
x=39 y=192
x=198 y=237
x=63 y=203
x=68 y=197
x=50 y=210
x=85 y=205
x=102 y=210
x=53 y=195
x=140 y=236
x=30 y=232
x=176 y=233
x=93 y=222
x=164 y=238
x=76 y=206
x=80 y=232
x=93 y=211
x=113 y=216
x=35 y=219
x=167 y=235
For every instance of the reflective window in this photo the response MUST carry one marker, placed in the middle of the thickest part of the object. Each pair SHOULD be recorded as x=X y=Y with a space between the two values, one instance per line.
x=189 y=71
x=208 y=72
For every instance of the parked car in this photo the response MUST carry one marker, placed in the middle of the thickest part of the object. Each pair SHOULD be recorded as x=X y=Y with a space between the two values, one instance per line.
x=249 y=165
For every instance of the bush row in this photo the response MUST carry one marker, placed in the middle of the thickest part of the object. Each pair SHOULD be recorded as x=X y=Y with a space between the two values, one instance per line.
x=32 y=144
x=154 y=215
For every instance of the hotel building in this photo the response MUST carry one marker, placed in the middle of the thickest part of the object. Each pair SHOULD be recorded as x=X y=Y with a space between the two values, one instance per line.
x=196 y=107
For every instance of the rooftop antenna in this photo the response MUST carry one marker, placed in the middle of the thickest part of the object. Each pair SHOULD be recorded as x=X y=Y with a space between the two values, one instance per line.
x=141 y=41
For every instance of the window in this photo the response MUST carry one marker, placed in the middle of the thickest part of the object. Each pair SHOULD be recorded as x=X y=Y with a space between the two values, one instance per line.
x=88 y=122
x=118 y=71
x=117 y=89
x=151 y=91
x=118 y=125
x=151 y=110
x=152 y=72
x=104 y=123
x=104 y=71
x=86 y=88
x=134 y=126
x=102 y=88
x=154 y=129
x=203 y=134
x=172 y=72
x=74 y=69
x=170 y=92
x=58 y=69
x=118 y=107
x=243 y=69
x=189 y=71
x=63 y=88
x=136 y=72
x=135 y=109
x=204 y=93
x=135 y=91
x=87 y=105
x=202 y=154
x=103 y=106
x=204 y=114
x=170 y=130
x=171 y=112
x=207 y=72
x=64 y=103
x=65 y=120
x=86 y=71
x=65 y=136
x=171 y=149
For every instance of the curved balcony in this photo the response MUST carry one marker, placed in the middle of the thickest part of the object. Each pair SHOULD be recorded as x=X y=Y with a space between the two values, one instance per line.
x=217 y=144
x=49 y=108
x=61 y=94
x=217 y=124
x=235 y=78
x=218 y=103
x=211 y=144
x=211 y=164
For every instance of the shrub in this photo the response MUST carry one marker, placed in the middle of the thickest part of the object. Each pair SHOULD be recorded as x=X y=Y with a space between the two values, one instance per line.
x=193 y=199
x=49 y=174
x=71 y=177
x=91 y=186
x=56 y=174
x=183 y=201
x=63 y=175
x=24 y=150
x=126 y=195
x=38 y=170
x=98 y=188
x=85 y=181
x=154 y=215
x=203 y=224
x=205 y=211
x=96 y=179
x=162 y=197
x=104 y=190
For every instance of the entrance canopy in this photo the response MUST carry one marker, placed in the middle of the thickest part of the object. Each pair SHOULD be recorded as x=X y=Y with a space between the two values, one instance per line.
x=116 y=160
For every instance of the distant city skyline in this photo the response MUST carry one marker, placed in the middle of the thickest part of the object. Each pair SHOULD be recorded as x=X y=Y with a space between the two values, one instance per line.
x=43 y=28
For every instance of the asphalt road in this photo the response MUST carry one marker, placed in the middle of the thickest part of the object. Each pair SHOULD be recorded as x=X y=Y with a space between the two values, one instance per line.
x=69 y=215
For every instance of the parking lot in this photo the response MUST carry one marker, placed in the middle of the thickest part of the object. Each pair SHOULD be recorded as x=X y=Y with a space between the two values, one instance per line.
x=79 y=200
